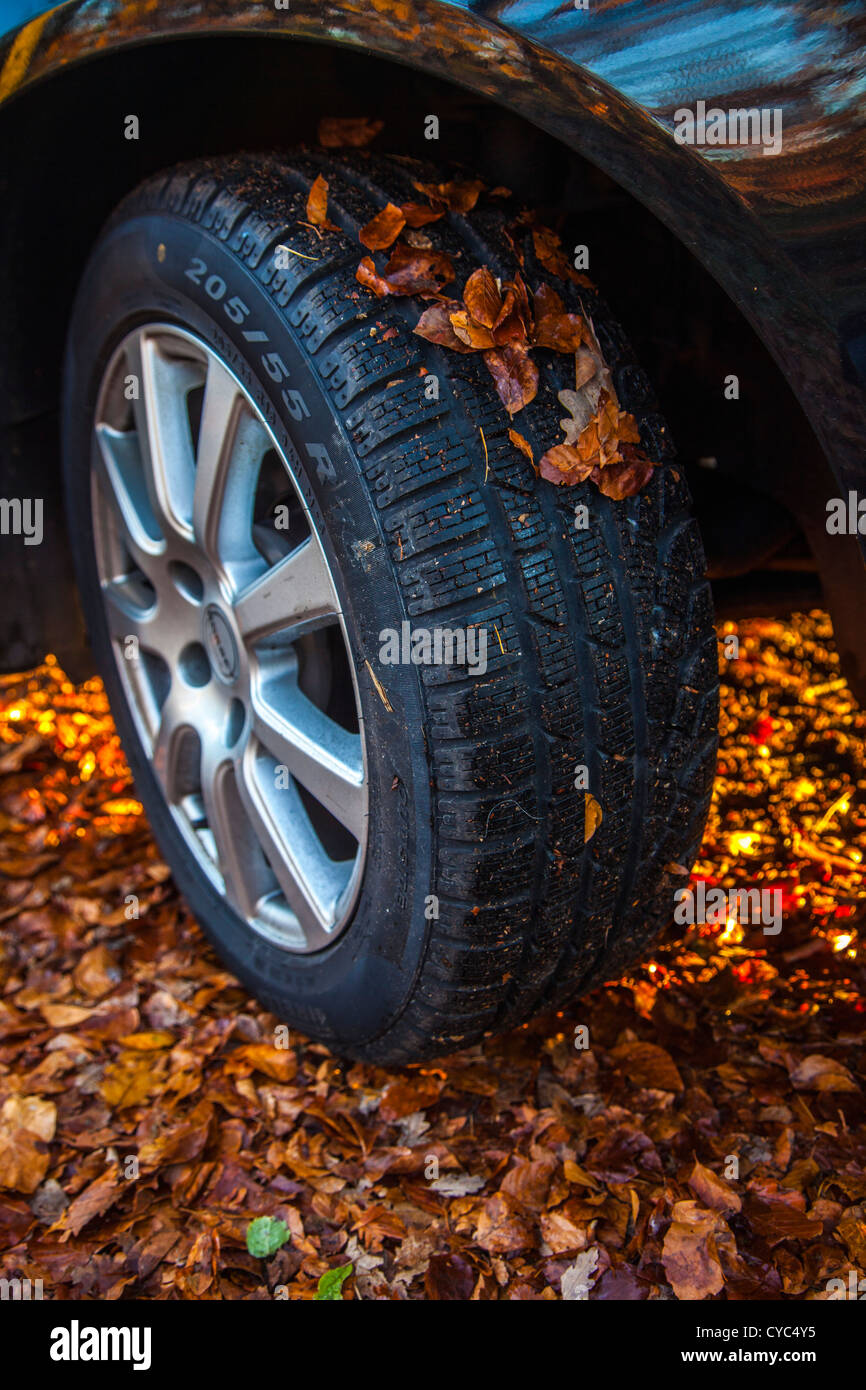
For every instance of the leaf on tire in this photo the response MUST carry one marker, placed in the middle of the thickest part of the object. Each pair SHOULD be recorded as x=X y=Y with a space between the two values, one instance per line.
x=482 y=297
x=383 y=229
x=435 y=325
x=563 y=465
x=317 y=205
x=515 y=376
x=420 y=215
x=457 y=195
x=368 y=276
x=592 y=816
x=353 y=132
x=548 y=249
x=554 y=327
x=522 y=444
x=410 y=270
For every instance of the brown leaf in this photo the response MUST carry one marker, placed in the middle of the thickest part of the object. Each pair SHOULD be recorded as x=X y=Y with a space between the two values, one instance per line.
x=97 y=972
x=93 y=1201
x=548 y=249
x=522 y=444
x=647 y=1064
x=458 y=195
x=690 y=1255
x=449 y=1277
x=411 y=270
x=473 y=335
x=353 y=132
x=181 y=1143
x=620 y=480
x=280 y=1063
x=26 y=1124
x=368 y=276
x=563 y=465
x=561 y=1234
x=482 y=297
x=817 y=1073
x=515 y=376
x=554 y=328
x=419 y=214
x=528 y=1181
x=383 y=229
x=713 y=1191
x=317 y=204
x=405 y=1097
x=500 y=1230
x=435 y=325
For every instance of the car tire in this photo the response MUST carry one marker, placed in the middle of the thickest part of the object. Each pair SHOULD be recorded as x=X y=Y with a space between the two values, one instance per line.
x=488 y=889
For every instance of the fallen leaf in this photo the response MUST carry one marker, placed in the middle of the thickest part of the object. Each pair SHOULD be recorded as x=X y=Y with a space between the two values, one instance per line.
x=592 y=816
x=713 y=1191
x=317 y=205
x=383 y=229
x=577 y=1280
x=352 y=132
x=515 y=376
x=689 y=1253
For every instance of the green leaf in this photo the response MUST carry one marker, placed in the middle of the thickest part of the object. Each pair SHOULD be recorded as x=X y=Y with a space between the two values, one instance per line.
x=331 y=1284
x=265 y=1235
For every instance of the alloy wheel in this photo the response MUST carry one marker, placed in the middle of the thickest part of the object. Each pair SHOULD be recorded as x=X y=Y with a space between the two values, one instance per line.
x=229 y=638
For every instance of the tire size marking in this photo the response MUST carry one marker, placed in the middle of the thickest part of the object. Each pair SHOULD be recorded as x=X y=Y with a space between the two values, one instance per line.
x=273 y=365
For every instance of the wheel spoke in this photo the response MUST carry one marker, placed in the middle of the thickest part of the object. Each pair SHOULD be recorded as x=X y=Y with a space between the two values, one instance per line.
x=230 y=447
x=130 y=618
x=238 y=854
x=162 y=426
x=122 y=482
x=178 y=719
x=297 y=594
x=325 y=758
x=310 y=882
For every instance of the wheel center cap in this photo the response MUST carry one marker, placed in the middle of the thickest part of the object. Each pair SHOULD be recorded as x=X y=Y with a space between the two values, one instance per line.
x=220 y=643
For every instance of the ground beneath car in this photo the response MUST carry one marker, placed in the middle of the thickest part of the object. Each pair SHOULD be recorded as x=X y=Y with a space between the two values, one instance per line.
x=708 y=1141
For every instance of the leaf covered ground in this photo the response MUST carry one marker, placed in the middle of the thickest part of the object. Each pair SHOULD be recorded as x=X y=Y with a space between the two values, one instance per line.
x=708 y=1141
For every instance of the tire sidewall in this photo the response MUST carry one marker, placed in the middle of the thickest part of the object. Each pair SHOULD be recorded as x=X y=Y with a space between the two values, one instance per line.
x=138 y=273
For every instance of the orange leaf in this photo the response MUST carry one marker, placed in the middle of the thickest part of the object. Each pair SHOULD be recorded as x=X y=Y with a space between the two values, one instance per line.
x=382 y=229
x=554 y=328
x=563 y=464
x=352 y=131
x=317 y=204
x=620 y=480
x=418 y=214
x=482 y=297
x=522 y=444
x=367 y=275
x=458 y=195
x=548 y=249
x=473 y=334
